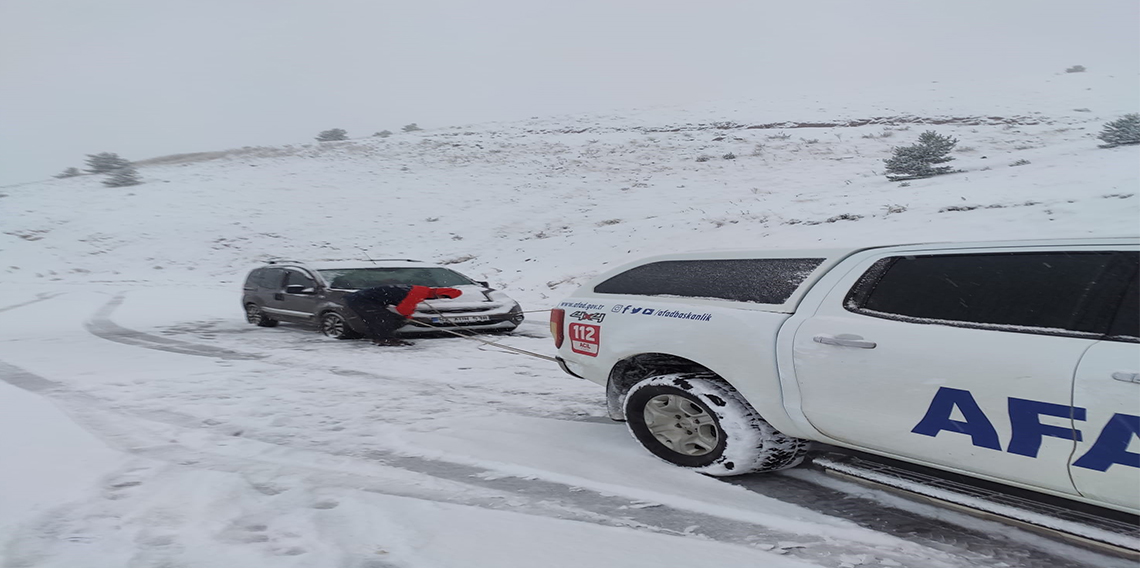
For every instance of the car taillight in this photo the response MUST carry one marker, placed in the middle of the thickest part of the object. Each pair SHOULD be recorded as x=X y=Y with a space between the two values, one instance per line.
x=556 y=317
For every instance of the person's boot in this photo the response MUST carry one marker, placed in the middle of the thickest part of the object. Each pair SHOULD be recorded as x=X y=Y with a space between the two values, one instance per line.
x=392 y=342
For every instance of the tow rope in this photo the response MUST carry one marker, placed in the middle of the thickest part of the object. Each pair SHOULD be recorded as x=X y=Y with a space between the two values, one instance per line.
x=484 y=341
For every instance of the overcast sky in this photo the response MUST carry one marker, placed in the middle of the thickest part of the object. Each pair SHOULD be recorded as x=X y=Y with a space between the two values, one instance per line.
x=150 y=77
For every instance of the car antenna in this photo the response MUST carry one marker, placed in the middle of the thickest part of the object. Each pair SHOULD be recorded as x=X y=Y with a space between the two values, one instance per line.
x=365 y=253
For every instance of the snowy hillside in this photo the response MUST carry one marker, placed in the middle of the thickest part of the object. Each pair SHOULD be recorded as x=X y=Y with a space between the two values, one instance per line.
x=537 y=206
x=144 y=423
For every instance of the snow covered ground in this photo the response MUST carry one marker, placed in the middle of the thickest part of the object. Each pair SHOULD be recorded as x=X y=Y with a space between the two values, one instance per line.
x=144 y=423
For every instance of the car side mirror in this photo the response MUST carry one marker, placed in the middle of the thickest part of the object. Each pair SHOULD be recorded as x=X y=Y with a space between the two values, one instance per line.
x=297 y=289
x=483 y=283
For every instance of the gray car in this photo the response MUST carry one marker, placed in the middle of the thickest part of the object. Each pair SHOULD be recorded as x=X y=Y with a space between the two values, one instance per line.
x=313 y=294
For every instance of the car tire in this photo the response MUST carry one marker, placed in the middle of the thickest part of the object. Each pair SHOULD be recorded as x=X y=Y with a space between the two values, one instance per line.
x=332 y=324
x=698 y=421
x=255 y=315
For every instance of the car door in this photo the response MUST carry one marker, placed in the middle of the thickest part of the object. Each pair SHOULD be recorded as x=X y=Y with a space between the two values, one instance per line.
x=959 y=358
x=299 y=305
x=1106 y=465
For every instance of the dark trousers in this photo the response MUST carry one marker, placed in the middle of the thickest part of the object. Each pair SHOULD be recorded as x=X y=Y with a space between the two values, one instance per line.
x=381 y=323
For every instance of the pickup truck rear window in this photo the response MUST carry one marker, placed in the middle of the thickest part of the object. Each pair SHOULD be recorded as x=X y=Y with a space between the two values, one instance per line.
x=1051 y=292
x=760 y=280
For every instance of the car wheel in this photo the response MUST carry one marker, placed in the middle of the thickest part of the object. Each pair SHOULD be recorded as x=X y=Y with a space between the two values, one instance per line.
x=333 y=325
x=254 y=315
x=698 y=421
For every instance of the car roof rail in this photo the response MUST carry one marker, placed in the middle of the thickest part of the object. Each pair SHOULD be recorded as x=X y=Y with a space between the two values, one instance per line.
x=283 y=261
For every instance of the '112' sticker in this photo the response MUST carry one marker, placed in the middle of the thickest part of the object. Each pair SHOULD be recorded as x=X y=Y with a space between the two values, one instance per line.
x=584 y=338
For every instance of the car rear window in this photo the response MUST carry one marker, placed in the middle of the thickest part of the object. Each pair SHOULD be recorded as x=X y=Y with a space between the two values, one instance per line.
x=1057 y=291
x=760 y=280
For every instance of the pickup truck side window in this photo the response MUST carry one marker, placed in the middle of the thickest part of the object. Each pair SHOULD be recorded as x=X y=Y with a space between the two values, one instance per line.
x=1051 y=292
x=1126 y=324
x=761 y=280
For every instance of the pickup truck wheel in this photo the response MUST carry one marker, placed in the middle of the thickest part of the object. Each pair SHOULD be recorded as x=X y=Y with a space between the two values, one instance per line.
x=255 y=315
x=699 y=422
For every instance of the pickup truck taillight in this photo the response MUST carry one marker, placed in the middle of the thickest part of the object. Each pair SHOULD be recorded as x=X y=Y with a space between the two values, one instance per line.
x=556 y=317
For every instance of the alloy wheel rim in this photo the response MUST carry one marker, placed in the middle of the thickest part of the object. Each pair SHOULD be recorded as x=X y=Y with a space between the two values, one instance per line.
x=681 y=425
x=333 y=326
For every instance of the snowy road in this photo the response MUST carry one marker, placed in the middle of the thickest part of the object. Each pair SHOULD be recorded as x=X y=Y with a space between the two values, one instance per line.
x=209 y=442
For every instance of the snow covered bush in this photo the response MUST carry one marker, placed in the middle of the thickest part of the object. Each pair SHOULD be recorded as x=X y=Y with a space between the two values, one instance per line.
x=68 y=173
x=917 y=160
x=332 y=135
x=123 y=177
x=1076 y=69
x=1122 y=131
x=383 y=134
x=104 y=162
x=411 y=127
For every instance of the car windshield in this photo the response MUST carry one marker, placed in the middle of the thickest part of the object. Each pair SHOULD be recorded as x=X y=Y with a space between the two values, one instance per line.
x=357 y=278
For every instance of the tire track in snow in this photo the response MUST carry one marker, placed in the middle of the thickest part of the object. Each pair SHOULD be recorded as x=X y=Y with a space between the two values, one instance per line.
x=103 y=327
x=39 y=298
x=149 y=437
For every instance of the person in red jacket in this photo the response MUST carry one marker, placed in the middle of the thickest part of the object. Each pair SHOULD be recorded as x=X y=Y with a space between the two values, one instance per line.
x=384 y=309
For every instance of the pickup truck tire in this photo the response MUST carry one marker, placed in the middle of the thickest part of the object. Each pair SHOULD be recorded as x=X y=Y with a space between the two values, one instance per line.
x=700 y=422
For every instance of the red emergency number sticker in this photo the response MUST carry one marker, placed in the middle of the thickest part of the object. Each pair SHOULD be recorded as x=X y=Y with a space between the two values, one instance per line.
x=584 y=338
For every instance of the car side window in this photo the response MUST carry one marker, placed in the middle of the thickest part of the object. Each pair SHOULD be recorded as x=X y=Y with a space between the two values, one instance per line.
x=298 y=278
x=762 y=280
x=271 y=278
x=1048 y=292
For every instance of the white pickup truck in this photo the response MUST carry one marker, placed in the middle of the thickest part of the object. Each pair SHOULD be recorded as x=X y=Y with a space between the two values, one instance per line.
x=1013 y=362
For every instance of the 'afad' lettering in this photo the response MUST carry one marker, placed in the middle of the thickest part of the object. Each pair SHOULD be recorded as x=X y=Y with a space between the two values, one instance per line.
x=1111 y=447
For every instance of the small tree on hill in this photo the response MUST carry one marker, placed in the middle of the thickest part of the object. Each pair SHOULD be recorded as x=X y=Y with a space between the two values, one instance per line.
x=105 y=162
x=332 y=135
x=383 y=133
x=1122 y=131
x=917 y=160
x=69 y=173
x=411 y=127
x=123 y=177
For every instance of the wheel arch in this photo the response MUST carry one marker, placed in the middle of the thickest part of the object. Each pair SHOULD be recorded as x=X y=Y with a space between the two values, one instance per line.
x=632 y=370
x=350 y=318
